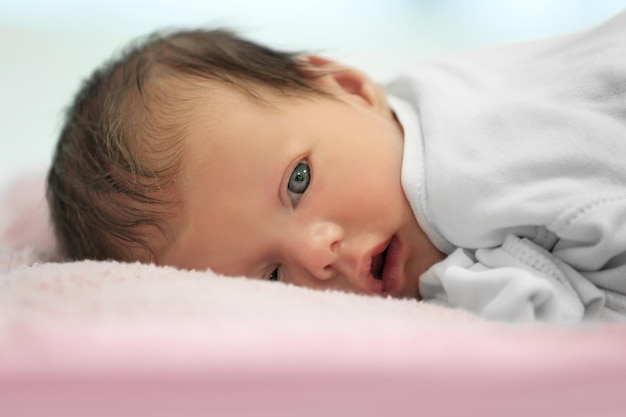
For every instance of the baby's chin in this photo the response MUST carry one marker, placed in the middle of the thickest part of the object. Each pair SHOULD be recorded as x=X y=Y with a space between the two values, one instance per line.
x=412 y=287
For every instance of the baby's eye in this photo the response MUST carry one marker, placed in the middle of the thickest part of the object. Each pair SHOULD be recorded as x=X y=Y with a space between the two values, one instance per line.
x=299 y=182
x=274 y=275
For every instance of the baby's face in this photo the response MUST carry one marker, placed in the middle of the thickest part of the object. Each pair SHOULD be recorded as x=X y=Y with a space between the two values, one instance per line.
x=303 y=191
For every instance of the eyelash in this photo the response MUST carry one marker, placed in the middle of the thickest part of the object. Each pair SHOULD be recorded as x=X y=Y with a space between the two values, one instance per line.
x=302 y=174
x=274 y=275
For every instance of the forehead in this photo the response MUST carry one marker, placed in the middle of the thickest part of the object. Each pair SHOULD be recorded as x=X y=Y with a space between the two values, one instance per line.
x=231 y=121
x=227 y=128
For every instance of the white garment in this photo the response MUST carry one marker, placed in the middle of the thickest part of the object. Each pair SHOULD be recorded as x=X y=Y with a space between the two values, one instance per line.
x=515 y=165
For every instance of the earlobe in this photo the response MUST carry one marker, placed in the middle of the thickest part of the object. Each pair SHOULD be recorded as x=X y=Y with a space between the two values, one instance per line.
x=341 y=80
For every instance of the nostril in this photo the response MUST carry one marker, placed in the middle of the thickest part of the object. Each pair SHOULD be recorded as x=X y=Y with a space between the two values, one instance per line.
x=328 y=271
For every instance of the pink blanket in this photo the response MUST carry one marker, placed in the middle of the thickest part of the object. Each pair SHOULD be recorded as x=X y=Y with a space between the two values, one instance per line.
x=111 y=339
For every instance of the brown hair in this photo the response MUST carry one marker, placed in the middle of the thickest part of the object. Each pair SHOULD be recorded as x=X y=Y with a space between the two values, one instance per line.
x=110 y=186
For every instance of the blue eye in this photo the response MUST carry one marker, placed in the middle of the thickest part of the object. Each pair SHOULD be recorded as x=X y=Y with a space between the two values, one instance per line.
x=299 y=182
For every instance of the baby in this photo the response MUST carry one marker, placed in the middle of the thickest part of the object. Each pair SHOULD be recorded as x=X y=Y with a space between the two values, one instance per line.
x=494 y=181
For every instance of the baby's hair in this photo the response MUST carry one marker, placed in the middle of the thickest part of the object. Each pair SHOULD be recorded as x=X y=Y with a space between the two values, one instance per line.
x=111 y=187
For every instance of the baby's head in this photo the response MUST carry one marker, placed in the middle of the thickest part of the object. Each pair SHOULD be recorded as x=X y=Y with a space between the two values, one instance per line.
x=203 y=150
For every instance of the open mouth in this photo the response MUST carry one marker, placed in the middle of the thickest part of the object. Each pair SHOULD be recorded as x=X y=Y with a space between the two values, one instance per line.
x=378 y=264
x=387 y=268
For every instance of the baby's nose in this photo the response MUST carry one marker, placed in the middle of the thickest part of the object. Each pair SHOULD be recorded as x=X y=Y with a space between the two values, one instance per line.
x=320 y=243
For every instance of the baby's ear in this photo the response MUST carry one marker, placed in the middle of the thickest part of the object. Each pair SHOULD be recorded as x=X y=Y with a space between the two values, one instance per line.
x=341 y=80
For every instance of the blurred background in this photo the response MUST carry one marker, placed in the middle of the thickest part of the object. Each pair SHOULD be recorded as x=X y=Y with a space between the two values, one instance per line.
x=48 y=47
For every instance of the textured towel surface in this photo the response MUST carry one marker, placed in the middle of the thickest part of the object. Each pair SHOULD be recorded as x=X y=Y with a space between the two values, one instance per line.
x=106 y=338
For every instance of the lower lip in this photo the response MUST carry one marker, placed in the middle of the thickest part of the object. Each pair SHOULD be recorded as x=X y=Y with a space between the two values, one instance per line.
x=392 y=271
